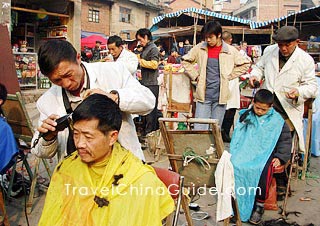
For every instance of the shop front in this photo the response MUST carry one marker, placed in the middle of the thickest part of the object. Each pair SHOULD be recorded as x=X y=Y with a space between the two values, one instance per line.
x=32 y=22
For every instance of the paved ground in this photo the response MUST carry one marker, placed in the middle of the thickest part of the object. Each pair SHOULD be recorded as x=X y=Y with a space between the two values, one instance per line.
x=309 y=210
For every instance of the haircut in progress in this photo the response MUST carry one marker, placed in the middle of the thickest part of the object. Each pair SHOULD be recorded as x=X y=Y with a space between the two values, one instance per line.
x=109 y=119
x=263 y=96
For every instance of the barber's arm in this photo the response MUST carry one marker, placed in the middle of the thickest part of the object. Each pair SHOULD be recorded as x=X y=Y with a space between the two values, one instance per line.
x=133 y=98
x=49 y=147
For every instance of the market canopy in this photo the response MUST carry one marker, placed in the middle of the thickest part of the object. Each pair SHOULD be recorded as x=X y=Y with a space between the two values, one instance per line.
x=187 y=17
x=90 y=41
x=194 y=11
x=307 y=15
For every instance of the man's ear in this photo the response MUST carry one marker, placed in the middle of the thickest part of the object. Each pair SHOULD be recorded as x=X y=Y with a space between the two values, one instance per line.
x=113 y=137
x=1 y=102
x=79 y=58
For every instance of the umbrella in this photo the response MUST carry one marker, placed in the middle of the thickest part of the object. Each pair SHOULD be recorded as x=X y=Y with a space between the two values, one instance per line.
x=90 y=41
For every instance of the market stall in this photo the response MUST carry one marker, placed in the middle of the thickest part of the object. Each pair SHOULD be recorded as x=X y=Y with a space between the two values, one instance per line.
x=31 y=23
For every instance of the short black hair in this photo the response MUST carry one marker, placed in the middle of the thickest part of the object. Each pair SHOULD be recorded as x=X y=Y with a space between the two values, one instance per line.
x=115 y=39
x=3 y=93
x=263 y=96
x=52 y=52
x=212 y=27
x=102 y=108
x=144 y=32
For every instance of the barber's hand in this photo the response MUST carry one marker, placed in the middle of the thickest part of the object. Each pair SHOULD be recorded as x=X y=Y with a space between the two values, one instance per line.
x=276 y=162
x=252 y=79
x=112 y=96
x=292 y=94
x=49 y=124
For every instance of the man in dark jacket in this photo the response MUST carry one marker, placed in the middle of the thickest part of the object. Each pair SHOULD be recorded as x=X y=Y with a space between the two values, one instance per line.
x=260 y=142
x=149 y=61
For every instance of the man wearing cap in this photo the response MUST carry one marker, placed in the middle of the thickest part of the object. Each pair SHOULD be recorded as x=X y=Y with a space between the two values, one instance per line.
x=289 y=73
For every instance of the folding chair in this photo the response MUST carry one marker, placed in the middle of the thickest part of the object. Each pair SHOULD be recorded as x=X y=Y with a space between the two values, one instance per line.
x=170 y=178
x=18 y=118
x=184 y=146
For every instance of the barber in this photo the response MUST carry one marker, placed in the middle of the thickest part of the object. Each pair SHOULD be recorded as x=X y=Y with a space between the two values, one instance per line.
x=74 y=80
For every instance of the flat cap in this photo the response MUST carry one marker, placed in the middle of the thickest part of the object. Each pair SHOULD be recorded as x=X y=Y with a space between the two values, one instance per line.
x=286 y=34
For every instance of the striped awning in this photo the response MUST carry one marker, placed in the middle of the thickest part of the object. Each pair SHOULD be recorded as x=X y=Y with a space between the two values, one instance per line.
x=189 y=11
x=255 y=25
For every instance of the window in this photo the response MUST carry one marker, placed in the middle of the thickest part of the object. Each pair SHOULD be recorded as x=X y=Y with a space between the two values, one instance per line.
x=147 y=19
x=254 y=13
x=290 y=12
x=93 y=16
x=125 y=15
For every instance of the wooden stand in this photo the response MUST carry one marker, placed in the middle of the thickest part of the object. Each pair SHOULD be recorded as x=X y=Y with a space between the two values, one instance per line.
x=177 y=142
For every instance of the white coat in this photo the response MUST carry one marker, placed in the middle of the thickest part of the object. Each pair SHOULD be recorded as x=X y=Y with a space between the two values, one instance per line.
x=298 y=72
x=134 y=99
x=224 y=177
x=129 y=59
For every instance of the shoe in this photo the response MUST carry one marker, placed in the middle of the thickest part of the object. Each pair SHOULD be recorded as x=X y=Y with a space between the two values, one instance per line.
x=225 y=137
x=256 y=215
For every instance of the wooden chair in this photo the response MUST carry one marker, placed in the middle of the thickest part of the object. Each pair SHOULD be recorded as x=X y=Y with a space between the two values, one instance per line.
x=18 y=118
x=187 y=144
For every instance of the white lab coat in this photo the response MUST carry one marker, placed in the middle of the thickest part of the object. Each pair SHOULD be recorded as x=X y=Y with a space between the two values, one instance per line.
x=298 y=72
x=134 y=99
x=129 y=59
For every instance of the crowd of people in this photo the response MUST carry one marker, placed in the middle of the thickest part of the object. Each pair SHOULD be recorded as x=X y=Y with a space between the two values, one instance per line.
x=102 y=97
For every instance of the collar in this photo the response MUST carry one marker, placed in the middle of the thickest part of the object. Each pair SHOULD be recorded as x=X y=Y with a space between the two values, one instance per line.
x=286 y=58
x=224 y=49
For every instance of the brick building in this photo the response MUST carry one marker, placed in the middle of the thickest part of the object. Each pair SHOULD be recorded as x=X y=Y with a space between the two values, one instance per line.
x=261 y=10
x=221 y=6
x=127 y=16
x=96 y=16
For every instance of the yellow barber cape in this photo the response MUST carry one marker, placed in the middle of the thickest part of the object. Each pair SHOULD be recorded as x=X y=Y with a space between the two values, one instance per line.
x=120 y=191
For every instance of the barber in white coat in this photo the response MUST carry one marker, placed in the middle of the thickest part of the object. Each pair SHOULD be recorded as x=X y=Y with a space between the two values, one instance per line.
x=290 y=74
x=74 y=80
x=121 y=54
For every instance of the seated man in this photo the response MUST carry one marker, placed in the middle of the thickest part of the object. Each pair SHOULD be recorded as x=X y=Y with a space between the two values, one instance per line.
x=260 y=142
x=8 y=145
x=115 y=187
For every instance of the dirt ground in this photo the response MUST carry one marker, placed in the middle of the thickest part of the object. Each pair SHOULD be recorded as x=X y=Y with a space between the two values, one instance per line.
x=300 y=212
